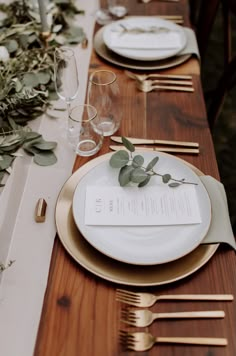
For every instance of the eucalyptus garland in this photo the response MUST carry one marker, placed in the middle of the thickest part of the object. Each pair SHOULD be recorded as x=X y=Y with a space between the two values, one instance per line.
x=26 y=74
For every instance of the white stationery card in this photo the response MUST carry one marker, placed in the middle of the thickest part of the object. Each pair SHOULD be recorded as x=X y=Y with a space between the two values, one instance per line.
x=159 y=205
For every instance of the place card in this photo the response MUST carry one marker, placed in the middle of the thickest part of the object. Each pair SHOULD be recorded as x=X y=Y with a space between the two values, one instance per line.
x=159 y=205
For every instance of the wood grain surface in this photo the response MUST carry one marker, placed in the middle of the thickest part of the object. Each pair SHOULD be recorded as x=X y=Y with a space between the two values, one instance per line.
x=80 y=315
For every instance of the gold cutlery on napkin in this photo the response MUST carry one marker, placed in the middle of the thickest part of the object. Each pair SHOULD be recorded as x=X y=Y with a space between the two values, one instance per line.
x=146 y=300
x=144 y=317
x=151 y=82
x=142 y=341
x=142 y=77
x=159 y=149
x=147 y=1
x=148 y=86
x=145 y=141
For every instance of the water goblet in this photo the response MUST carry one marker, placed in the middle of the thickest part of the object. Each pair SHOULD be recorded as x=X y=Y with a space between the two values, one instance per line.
x=82 y=133
x=104 y=95
x=66 y=75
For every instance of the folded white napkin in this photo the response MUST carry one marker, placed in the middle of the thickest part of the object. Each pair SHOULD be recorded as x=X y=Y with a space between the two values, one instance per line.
x=220 y=230
x=150 y=38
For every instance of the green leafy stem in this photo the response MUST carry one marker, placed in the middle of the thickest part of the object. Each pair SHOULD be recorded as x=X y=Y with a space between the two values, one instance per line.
x=3 y=267
x=132 y=169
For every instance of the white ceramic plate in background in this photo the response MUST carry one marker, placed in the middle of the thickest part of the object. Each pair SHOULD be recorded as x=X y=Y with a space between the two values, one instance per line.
x=141 y=53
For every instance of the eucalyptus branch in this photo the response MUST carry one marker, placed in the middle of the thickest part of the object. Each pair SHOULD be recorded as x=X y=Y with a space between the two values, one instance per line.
x=4 y=267
x=132 y=169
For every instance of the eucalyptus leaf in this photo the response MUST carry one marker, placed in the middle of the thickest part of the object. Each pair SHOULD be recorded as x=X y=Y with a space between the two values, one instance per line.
x=11 y=45
x=128 y=144
x=125 y=175
x=57 y=28
x=31 y=149
x=29 y=136
x=43 y=77
x=32 y=38
x=119 y=159
x=6 y=161
x=45 y=145
x=145 y=182
x=23 y=39
x=138 y=161
x=30 y=80
x=46 y=158
x=174 y=185
x=138 y=175
x=152 y=163
x=166 y=178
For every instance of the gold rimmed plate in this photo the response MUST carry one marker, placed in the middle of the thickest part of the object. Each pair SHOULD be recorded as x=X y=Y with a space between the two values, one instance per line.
x=142 y=244
x=104 y=52
x=108 y=268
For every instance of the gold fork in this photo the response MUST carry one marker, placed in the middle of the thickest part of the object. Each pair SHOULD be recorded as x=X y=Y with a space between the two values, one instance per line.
x=166 y=81
x=147 y=87
x=146 y=300
x=142 y=77
x=144 y=317
x=142 y=341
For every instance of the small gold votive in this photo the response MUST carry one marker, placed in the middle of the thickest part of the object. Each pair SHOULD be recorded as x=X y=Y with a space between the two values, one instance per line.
x=40 y=210
x=84 y=43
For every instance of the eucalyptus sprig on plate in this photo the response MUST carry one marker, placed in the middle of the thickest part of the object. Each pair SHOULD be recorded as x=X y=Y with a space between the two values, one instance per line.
x=132 y=169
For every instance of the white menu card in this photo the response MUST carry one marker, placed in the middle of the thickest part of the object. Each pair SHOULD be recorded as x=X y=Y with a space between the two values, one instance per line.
x=159 y=205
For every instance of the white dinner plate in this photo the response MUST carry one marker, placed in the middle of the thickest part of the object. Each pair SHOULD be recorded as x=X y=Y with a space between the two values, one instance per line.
x=143 y=245
x=148 y=44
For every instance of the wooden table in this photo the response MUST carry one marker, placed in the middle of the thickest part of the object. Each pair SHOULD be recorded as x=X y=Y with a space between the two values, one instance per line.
x=80 y=314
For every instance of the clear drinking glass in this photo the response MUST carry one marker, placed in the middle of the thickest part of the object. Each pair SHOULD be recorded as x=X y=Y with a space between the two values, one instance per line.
x=118 y=8
x=104 y=95
x=103 y=17
x=82 y=133
x=66 y=75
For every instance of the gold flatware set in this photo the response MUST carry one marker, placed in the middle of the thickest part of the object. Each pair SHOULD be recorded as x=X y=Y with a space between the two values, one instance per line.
x=175 y=146
x=142 y=341
x=173 y=82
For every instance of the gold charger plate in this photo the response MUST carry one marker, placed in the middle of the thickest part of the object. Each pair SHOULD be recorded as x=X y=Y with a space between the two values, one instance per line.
x=107 y=268
x=110 y=56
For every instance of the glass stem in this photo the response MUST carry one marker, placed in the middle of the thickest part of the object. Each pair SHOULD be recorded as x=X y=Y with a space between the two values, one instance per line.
x=68 y=110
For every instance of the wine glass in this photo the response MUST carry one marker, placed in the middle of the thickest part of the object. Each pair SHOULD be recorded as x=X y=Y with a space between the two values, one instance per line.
x=66 y=75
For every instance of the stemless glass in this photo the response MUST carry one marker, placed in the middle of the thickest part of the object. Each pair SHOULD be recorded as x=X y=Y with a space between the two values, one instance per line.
x=104 y=95
x=82 y=133
x=66 y=75
x=118 y=8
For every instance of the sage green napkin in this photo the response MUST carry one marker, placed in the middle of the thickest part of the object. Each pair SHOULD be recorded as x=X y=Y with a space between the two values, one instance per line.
x=191 y=46
x=220 y=229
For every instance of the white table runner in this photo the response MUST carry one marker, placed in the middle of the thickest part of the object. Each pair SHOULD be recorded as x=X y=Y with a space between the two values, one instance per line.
x=29 y=244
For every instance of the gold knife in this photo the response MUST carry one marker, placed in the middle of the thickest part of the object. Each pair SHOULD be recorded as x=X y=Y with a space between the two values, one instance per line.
x=144 y=141
x=158 y=149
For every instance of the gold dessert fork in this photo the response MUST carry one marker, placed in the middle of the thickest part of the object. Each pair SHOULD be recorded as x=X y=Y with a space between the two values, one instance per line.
x=142 y=341
x=142 y=77
x=144 y=317
x=148 y=86
x=146 y=300
x=166 y=81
